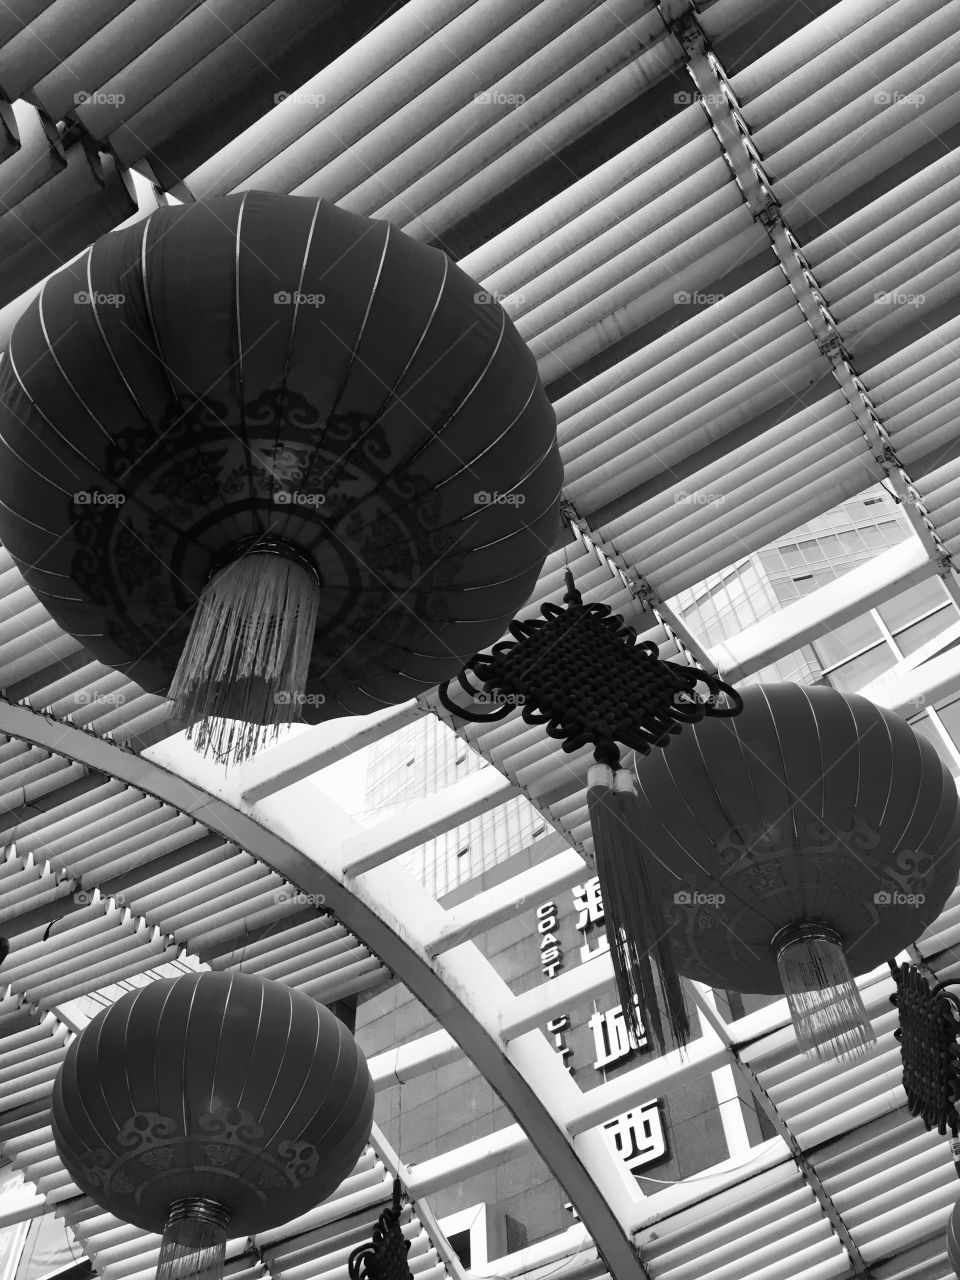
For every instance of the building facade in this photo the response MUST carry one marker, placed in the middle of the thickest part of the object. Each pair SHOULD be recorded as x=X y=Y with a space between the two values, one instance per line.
x=694 y=1127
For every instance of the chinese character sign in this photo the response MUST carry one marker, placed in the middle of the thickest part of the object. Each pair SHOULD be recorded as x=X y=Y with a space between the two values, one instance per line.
x=588 y=903
x=637 y=1135
x=611 y=1040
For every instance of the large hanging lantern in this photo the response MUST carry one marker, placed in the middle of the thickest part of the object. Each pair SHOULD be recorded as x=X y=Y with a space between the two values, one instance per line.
x=274 y=458
x=581 y=672
x=808 y=840
x=210 y=1106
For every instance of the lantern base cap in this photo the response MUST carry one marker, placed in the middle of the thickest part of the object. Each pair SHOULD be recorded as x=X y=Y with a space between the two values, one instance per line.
x=194 y=1240
x=828 y=1012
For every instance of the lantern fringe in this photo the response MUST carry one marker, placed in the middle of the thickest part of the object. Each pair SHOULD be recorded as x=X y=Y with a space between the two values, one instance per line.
x=244 y=668
x=194 y=1241
x=828 y=1013
x=637 y=927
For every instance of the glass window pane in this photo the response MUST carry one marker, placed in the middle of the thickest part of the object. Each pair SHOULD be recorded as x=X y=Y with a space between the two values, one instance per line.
x=915 y=637
x=846 y=639
x=950 y=719
x=927 y=729
x=793 y=557
x=912 y=604
x=851 y=542
x=859 y=672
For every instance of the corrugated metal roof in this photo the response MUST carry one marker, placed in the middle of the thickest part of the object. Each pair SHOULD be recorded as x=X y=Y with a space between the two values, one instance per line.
x=558 y=150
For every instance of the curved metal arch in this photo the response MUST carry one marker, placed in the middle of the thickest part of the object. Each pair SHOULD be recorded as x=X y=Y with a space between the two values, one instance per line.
x=393 y=916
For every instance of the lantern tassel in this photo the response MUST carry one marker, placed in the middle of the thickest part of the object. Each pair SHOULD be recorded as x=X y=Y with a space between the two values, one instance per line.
x=828 y=1013
x=637 y=927
x=244 y=668
x=194 y=1241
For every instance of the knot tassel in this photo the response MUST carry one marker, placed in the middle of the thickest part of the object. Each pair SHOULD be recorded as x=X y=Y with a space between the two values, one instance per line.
x=637 y=927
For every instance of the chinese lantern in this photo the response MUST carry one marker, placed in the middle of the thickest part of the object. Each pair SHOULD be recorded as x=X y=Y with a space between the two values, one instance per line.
x=209 y=1106
x=809 y=839
x=274 y=458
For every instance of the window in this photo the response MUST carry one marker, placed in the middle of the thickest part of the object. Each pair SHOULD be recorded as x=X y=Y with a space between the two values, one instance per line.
x=913 y=638
x=856 y=674
x=847 y=639
x=950 y=719
x=927 y=729
x=460 y=1244
x=912 y=604
x=851 y=542
x=793 y=557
